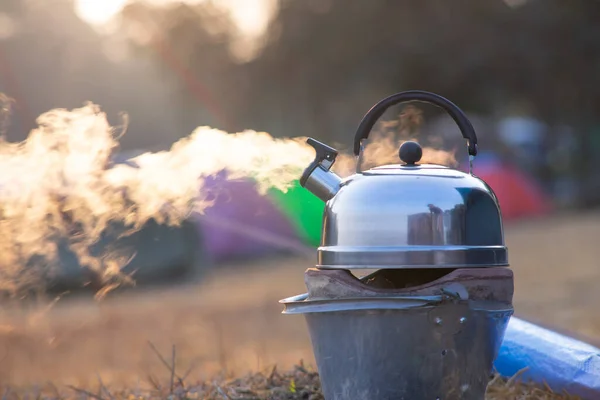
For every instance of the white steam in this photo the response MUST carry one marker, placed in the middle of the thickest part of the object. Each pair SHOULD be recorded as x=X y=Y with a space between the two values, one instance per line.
x=61 y=184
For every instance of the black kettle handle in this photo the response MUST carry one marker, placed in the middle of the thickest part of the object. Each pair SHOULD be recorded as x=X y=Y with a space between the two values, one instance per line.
x=371 y=117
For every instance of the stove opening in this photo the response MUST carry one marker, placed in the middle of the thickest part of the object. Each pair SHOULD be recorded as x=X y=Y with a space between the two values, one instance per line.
x=403 y=278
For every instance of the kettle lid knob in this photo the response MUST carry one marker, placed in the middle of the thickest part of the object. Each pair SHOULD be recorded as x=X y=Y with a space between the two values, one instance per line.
x=410 y=152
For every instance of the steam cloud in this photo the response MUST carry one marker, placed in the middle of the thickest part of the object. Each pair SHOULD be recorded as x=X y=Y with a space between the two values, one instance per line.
x=60 y=183
x=387 y=137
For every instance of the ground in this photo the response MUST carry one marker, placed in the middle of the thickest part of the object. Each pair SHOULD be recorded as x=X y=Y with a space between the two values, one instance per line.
x=233 y=320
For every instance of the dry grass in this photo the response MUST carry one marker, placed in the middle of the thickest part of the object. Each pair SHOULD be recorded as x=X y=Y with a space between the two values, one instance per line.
x=301 y=383
x=232 y=323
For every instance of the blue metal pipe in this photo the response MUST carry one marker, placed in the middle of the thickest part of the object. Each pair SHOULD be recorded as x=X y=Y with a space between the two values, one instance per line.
x=562 y=362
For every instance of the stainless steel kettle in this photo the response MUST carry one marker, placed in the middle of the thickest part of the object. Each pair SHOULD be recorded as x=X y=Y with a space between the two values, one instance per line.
x=407 y=215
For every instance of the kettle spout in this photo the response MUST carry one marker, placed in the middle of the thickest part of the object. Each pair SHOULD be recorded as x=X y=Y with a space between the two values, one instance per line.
x=317 y=177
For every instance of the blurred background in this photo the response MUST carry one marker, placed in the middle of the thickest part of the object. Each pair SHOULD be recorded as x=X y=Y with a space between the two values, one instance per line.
x=526 y=72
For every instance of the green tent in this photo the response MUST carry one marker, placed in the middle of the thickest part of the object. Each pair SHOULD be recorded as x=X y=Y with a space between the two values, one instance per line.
x=304 y=210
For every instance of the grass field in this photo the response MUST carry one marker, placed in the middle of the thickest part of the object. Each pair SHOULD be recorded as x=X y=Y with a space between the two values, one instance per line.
x=232 y=321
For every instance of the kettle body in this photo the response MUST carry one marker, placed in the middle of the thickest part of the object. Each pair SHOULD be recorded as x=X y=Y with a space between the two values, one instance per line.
x=406 y=215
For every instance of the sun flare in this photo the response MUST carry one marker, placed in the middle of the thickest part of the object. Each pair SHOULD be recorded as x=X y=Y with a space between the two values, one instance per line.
x=251 y=16
x=98 y=12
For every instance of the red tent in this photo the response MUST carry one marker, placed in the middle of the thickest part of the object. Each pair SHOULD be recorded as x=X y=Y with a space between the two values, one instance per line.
x=519 y=195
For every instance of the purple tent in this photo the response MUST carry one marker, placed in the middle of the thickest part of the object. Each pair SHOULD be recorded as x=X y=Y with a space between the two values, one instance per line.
x=242 y=222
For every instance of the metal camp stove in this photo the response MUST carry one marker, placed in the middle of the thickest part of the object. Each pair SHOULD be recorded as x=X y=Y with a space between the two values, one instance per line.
x=428 y=322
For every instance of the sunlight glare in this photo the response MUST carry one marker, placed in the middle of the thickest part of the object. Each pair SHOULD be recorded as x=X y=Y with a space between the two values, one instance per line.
x=98 y=12
x=251 y=16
